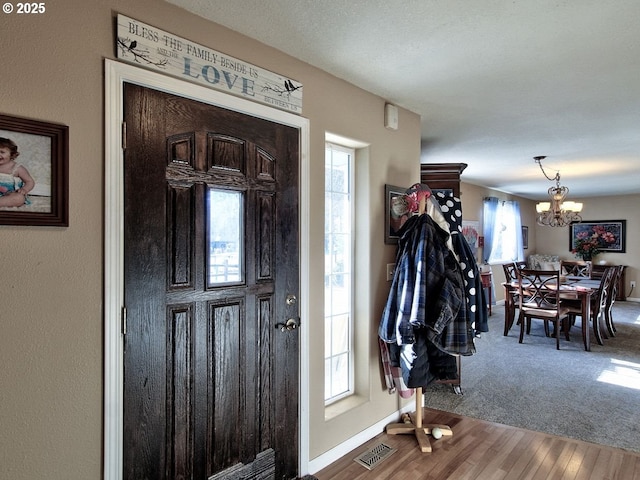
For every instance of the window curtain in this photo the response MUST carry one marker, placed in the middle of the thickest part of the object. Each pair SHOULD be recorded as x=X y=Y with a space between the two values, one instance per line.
x=490 y=211
x=502 y=231
x=517 y=221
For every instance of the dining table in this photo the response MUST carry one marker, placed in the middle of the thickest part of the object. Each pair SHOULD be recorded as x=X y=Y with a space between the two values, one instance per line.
x=571 y=288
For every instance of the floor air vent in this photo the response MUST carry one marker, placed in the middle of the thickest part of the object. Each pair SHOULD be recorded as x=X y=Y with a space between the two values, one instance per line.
x=373 y=457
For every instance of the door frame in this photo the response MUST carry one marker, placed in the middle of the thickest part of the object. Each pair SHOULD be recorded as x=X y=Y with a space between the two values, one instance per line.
x=116 y=74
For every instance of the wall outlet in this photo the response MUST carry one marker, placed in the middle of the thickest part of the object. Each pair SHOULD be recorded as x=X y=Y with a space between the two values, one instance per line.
x=633 y=284
x=390 y=268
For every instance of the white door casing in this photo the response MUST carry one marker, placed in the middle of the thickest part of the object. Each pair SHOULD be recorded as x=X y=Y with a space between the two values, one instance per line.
x=116 y=74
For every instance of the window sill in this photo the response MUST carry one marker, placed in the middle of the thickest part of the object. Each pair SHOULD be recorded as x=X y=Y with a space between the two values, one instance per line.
x=343 y=406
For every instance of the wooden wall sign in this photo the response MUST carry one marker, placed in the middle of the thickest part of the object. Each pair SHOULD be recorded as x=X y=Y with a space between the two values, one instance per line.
x=150 y=47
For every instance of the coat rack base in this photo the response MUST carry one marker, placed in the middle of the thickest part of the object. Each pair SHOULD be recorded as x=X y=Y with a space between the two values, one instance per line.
x=412 y=424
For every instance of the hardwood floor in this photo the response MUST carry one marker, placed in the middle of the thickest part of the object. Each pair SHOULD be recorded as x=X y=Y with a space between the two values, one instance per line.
x=488 y=451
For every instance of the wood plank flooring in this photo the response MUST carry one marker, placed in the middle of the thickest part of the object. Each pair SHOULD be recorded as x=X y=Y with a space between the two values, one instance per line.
x=487 y=451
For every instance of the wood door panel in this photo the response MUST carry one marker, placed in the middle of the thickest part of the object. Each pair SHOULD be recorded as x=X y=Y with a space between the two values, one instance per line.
x=181 y=224
x=266 y=331
x=226 y=153
x=180 y=430
x=229 y=381
x=209 y=381
x=181 y=149
x=264 y=229
x=266 y=166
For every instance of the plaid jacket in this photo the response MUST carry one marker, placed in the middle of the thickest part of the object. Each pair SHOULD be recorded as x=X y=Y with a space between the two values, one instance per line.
x=427 y=290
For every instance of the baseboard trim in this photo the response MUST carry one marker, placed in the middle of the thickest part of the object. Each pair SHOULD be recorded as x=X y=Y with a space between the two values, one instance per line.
x=340 y=450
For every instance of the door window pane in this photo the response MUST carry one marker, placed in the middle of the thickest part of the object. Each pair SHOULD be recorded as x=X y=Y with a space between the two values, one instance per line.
x=225 y=236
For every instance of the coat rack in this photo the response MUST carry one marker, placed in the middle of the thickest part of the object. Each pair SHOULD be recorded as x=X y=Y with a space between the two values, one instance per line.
x=414 y=425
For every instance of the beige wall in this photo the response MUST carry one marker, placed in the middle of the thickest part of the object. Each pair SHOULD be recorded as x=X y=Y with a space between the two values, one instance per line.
x=51 y=347
x=555 y=241
x=621 y=207
x=471 y=196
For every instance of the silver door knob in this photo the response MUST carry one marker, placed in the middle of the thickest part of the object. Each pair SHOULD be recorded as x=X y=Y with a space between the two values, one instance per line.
x=291 y=324
x=291 y=299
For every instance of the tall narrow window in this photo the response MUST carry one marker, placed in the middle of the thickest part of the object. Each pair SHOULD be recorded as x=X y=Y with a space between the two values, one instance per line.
x=338 y=272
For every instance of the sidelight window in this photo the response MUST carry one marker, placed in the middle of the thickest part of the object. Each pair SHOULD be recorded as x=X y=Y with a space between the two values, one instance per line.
x=338 y=272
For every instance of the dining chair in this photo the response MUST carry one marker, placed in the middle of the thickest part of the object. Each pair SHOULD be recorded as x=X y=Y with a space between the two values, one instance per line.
x=575 y=269
x=599 y=303
x=511 y=275
x=539 y=297
x=611 y=298
x=521 y=264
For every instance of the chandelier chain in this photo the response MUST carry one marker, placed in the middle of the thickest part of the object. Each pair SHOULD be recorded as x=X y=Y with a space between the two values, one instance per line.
x=539 y=162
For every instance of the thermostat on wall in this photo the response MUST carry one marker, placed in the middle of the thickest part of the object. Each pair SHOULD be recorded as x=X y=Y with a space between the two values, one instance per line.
x=391 y=116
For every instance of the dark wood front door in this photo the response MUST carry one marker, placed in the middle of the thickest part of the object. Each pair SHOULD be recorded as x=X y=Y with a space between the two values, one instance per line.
x=211 y=270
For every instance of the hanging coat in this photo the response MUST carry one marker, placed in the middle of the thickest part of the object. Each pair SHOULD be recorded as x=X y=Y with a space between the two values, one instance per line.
x=420 y=320
x=476 y=307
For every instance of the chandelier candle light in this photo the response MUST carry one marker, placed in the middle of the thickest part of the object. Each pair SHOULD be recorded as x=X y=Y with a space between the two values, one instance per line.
x=558 y=212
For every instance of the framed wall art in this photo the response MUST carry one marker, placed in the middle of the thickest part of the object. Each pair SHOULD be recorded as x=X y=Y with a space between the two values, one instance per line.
x=34 y=164
x=393 y=221
x=525 y=237
x=471 y=233
x=608 y=235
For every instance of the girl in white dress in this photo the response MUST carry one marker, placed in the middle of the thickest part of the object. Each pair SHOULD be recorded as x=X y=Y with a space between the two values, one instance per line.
x=15 y=180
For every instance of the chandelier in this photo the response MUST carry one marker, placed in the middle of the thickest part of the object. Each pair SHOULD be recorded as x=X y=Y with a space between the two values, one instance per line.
x=558 y=212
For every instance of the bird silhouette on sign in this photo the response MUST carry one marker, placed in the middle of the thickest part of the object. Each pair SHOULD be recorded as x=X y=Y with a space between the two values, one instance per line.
x=284 y=89
x=288 y=84
x=140 y=54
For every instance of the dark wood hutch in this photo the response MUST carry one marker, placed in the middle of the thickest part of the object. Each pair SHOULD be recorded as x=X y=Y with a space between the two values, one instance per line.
x=442 y=176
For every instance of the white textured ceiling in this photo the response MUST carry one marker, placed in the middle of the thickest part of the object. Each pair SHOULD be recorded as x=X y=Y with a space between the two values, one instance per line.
x=495 y=82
